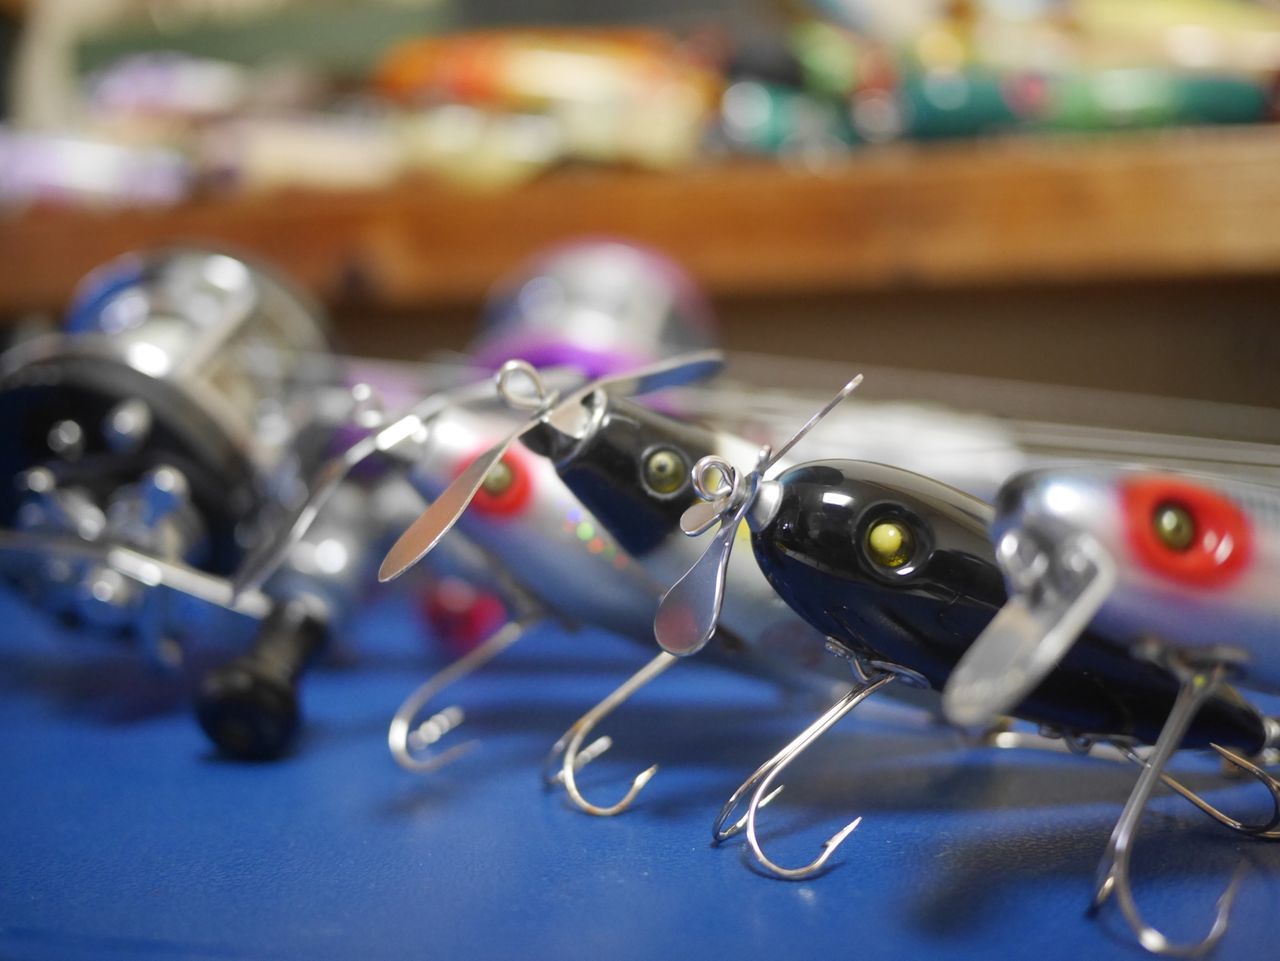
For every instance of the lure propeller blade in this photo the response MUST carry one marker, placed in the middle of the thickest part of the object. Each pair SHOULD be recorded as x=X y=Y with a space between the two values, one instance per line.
x=687 y=615
x=269 y=555
x=672 y=372
x=1031 y=634
x=547 y=408
x=433 y=523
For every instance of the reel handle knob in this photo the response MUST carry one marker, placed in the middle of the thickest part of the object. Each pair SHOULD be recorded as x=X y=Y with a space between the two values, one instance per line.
x=249 y=706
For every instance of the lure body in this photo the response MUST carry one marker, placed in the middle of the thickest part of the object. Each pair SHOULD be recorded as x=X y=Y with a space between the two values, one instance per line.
x=534 y=527
x=610 y=470
x=1188 y=560
x=1220 y=589
x=924 y=609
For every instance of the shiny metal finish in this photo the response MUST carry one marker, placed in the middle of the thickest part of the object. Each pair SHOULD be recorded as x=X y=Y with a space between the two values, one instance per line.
x=181 y=357
x=569 y=754
x=411 y=741
x=690 y=610
x=1181 y=570
x=760 y=783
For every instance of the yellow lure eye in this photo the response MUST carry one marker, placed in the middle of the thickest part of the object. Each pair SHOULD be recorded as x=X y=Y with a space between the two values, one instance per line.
x=665 y=471
x=499 y=479
x=1175 y=526
x=890 y=544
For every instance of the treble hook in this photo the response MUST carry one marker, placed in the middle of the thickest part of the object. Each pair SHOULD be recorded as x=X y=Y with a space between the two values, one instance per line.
x=1267 y=831
x=1113 y=872
x=411 y=744
x=574 y=756
x=1000 y=736
x=761 y=781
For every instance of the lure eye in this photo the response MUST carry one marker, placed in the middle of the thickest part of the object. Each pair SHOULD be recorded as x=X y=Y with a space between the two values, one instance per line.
x=499 y=479
x=664 y=471
x=1184 y=531
x=505 y=489
x=890 y=544
x=1174 y=526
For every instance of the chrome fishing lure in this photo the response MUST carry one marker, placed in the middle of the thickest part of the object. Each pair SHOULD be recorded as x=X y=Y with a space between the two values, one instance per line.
x=1180 y=569
x=897 y=570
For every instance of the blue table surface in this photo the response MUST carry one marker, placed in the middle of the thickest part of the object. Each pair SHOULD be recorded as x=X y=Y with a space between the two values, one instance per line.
x=123 y=836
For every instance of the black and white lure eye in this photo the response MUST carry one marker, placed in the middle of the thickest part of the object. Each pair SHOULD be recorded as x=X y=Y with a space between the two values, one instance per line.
x=664 y=471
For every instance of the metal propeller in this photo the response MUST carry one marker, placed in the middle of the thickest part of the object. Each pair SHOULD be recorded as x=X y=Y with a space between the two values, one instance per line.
x=565 y=414
x=688 y=613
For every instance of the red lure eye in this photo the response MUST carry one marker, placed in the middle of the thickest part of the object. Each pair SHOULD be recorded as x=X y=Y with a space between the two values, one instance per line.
x=1213 y=553
x=506 y=488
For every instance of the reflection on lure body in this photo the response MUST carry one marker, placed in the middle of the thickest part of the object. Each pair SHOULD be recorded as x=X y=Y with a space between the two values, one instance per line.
x=526 y=518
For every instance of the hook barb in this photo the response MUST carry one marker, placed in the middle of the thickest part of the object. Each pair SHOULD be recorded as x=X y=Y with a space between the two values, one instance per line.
x=573 y=756
x=410 y=743
x=760 y=787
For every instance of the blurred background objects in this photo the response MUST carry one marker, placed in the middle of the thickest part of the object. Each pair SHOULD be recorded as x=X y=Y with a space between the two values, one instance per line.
x=1073 y=192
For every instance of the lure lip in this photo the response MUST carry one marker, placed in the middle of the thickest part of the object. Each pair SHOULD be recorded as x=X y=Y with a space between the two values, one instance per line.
x=1058 y=581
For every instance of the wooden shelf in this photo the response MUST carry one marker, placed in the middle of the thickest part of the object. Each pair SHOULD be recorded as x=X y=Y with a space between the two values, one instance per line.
x=1182 y=204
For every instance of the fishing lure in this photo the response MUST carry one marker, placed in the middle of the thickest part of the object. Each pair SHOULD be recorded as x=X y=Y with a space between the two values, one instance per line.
x=621 y=462
x=623 y=594
x=552 y=556
x=1180 y=569
x=898 y=571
